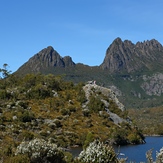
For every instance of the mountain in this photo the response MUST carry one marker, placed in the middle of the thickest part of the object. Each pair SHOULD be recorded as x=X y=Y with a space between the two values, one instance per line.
x=121 y=57
x=133 y=71
x=128 y=57
x=45 y=59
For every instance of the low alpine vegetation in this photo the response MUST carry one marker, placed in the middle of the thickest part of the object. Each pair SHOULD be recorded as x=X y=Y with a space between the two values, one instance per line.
x=37 y=108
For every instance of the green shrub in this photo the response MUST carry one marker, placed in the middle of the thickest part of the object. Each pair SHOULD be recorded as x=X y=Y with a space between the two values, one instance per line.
x=4 y=94
x=27 y=135
x=72 y=108
x=68 y=157
x=58 y=123
x=95 y=104
x=26 y=116
x=17 y=159
x=65 y=111
x=86 y=112
x=120 y=136
x=41 y=91
x=114 y=108
x=134 y=138
x=89 y=139
x=23 y=104
x=8 y=151
x=81 y=96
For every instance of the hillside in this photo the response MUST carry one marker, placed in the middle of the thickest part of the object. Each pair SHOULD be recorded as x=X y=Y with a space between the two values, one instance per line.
x=133 y=71
x=39 y=106
x=149 y=120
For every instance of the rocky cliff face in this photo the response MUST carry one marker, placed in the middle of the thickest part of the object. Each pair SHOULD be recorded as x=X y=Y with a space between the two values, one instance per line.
x=128 y=57
x=153 y=85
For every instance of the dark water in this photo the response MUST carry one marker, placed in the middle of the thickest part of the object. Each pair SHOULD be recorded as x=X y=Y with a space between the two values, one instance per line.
x=135 y=153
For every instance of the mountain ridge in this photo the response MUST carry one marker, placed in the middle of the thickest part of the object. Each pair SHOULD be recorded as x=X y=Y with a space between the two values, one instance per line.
x=123 y=69
x=120 y=56
x=126 y=56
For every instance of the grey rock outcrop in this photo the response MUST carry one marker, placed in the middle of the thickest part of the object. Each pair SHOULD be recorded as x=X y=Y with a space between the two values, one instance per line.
x=153 y=85
x=88 y=88
x=114 y=117
x=94 y=89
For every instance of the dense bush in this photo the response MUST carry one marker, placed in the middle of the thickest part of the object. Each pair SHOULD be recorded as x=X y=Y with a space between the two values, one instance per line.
x=26 y=116
x=17 y=159
x=80 y=93
x=40 y=151
x=98 y=152
x=95 y=104
x=65 y=111
x=89 y=139
x=27 y=135
x=120 y=138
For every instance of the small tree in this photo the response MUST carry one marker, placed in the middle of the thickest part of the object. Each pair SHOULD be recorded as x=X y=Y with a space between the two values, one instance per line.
x=4 y=71
x=89 y=139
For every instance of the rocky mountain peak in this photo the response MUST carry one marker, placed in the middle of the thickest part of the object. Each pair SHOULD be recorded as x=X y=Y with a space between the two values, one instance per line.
x=118 y=40
x=149 y=44
x=68 y=61
x=124 y=56
x=118 y=56
x=50 y=57
x=45 y=59
x=48 y=49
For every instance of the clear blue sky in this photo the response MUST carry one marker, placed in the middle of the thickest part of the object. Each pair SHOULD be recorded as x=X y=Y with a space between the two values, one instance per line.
x=82 y=29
